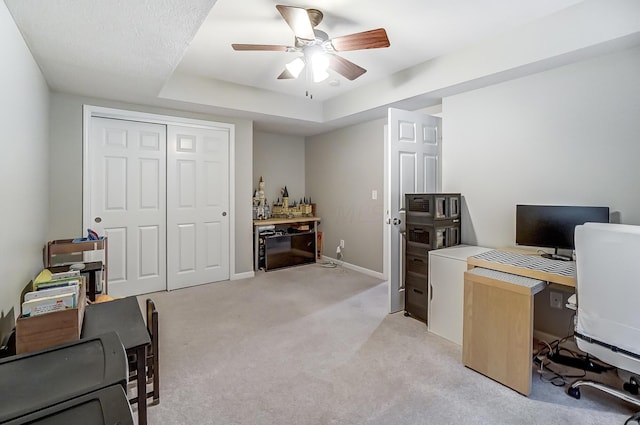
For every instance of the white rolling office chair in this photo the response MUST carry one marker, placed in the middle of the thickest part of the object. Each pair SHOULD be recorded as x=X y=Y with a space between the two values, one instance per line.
x=608 y=297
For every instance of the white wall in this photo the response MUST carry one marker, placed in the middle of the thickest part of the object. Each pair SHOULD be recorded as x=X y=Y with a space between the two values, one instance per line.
x=343 y=167
x=24 y=107
x=567 y=136
x=279 y=159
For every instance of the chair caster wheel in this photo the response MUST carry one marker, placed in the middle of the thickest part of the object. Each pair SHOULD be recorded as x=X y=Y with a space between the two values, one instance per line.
x=574 y=392
x=630 y=387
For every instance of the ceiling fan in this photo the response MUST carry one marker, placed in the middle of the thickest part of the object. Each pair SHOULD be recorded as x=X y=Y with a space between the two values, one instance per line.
x=317 y=49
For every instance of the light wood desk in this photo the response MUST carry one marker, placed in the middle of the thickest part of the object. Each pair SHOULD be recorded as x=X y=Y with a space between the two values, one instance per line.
x=498 y=312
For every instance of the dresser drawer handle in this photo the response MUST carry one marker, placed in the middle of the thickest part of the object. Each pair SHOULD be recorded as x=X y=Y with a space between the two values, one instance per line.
x=418 y=291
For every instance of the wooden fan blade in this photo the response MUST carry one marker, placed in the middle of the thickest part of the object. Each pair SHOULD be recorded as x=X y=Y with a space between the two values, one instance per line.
x=298 y=19
x=264 y=47
x=345 y=67
x=285 y=75
x=372 y=39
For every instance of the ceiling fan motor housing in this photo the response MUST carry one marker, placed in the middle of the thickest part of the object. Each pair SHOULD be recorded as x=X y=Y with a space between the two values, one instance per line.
x=315 y=16
x=322 y=38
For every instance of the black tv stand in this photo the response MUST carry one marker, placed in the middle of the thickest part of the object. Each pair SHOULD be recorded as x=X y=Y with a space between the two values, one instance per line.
x=292 y=242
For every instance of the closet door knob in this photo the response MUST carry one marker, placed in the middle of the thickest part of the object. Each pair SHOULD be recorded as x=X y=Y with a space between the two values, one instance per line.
x=224 y=213
x=97 y=219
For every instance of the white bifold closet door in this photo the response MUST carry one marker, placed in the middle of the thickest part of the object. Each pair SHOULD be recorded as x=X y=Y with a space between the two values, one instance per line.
x=161 y=194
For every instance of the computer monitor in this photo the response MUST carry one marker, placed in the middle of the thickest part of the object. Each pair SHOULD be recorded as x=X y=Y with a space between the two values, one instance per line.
x=553 y=226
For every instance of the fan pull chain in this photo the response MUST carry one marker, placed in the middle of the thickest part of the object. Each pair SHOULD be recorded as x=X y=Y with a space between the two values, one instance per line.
x=308 y=76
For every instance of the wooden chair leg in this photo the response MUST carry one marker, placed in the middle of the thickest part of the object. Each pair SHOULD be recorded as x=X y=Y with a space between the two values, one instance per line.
x=153 y=364
x=156 y=362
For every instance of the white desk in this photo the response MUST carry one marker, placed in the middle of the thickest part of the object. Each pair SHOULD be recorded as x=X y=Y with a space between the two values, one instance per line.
x=446 y=289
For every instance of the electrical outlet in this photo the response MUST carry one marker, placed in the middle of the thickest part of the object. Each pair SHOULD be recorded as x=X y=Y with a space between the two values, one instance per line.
x=555 y=299
x=341 y=243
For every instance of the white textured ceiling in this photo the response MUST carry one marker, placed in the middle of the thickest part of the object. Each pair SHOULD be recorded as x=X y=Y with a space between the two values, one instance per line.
x=177 y=53
x=109 y=47
x=418 y=30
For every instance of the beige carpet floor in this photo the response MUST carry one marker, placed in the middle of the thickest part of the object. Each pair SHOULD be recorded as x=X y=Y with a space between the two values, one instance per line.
x=315 y=345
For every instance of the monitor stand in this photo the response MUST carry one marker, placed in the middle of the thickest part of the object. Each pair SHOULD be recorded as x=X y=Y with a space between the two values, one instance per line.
x=560 y=254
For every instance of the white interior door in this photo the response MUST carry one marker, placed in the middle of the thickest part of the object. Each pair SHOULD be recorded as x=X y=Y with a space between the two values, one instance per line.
x=413 y=163
x=197 y=206
x=127 y=163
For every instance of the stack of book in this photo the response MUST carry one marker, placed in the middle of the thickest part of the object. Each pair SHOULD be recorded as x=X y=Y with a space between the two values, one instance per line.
x=52 y=292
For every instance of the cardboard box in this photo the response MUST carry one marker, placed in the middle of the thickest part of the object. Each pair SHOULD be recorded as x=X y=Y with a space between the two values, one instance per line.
x=50 y=329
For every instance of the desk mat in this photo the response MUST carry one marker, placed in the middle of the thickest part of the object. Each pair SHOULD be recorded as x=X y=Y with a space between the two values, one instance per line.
x=532 y=262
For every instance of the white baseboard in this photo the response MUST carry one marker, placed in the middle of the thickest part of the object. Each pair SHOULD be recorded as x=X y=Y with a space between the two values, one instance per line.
x=245 y=275
x=543 y=336
x=359 y=269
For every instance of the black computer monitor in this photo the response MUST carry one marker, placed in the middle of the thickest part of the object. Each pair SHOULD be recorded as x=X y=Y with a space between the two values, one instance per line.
x=553 y=226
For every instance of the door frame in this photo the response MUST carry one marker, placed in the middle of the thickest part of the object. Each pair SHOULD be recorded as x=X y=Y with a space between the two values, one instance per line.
x=386 y=219
x=91 y=111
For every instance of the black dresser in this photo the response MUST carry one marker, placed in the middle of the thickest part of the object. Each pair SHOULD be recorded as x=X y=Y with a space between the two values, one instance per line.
x=432 y=222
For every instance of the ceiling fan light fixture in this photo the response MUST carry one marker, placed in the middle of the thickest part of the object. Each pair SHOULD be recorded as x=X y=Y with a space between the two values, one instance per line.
x=317 y=51
x=320 y=76
x=319 y=66
x=295 y=67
